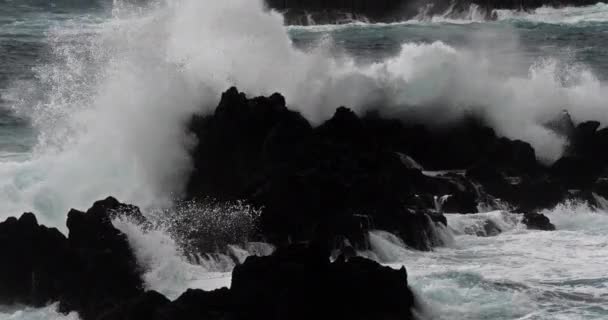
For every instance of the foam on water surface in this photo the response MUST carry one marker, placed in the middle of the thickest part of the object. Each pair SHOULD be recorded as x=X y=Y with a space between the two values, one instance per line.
x=518 y=274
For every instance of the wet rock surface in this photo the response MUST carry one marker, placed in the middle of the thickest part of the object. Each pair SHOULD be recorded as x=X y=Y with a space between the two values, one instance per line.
x=297 y=282
x=307 y=12
x=91 y=270
x=350 y=174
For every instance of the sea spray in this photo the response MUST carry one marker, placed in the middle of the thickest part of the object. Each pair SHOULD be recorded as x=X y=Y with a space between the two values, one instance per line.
x=171 y=270
x=115 y=97
x=46 y=313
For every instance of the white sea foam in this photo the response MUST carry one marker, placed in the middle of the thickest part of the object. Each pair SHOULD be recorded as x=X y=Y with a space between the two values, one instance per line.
x=518 y=274
x=482 y=223
x=46 y=313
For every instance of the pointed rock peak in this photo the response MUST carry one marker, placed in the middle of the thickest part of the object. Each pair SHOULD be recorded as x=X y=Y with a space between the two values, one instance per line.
x=277 y=100
x=28 y=219
x=344 y=118
x=344 y=113
x=231 y=99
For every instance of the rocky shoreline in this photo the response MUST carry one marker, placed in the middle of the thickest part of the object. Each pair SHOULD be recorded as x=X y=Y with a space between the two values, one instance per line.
x=316 y=192
x=307 y=12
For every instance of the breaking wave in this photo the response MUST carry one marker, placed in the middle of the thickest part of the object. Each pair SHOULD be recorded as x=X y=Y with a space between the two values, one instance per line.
x=113 y=98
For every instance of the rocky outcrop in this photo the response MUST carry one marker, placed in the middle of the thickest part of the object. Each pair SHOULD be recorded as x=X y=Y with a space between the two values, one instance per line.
x=350 y=174
x=537 y=221
x=328 y=183
x=304 y=12
x=91 y=270
x=298 y=282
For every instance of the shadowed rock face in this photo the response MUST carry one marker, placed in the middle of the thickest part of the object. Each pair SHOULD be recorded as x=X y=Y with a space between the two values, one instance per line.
x=353 y=173
x=538 y=221
x=94 y=273
x=350 y=174
x=330 y=182
x=297 y=282
x=91 y=270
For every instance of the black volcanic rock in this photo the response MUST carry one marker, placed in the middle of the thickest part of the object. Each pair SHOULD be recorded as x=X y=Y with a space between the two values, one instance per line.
x=301 y=283
x=33 y=259
x=576 y=172
x=319 y=183
x=105 y=269
x=538 y=221
x=297 y=282
x=311 y=182
x=304 y=12
x=90 y=271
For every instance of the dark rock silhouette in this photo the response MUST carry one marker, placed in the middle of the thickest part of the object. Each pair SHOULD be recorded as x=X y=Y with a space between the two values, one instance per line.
x=91 y=270
x=350 y=174
x=537 y=221
x=297 y=282
x=304 y=12
x=312 y=183
x=94 y=272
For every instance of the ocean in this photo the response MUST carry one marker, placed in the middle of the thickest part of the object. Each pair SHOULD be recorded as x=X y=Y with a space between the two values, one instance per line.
x=94 y=96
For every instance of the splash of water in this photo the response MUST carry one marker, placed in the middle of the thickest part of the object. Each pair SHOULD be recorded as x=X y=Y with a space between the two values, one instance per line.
x=46 y=313
x=111 y=105
x=170 y=271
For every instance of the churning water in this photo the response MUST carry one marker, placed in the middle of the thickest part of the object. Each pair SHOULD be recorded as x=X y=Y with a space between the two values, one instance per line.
x=94 y=95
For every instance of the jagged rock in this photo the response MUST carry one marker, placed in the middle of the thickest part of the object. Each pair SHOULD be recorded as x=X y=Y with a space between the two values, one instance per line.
x=90 y=271
x=525 y=192
x=537 y=221
x=308 y=181
x=105 y=269
x=305 y=12
x=34 y=258
x=300 y=283
x=460 y=202
x=297 y=282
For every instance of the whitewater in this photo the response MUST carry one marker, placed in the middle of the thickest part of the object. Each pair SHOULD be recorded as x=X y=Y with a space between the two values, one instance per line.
x=93 y=99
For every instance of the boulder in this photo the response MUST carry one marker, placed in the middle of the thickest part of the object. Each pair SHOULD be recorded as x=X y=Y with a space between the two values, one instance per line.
x=537 y=221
